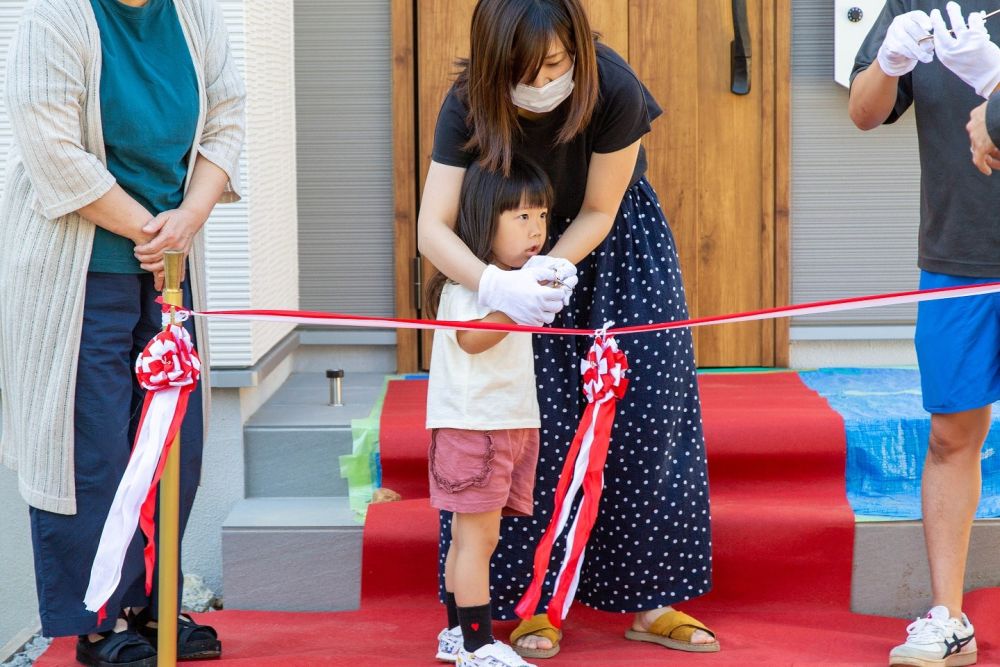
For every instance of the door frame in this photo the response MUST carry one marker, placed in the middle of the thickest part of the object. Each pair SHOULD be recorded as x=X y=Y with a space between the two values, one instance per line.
x=405 y=175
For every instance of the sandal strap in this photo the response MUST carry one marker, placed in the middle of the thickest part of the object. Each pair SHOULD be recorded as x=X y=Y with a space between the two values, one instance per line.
x=111 y=647
x=538 y=625
x=677 y=625
x=187 y=626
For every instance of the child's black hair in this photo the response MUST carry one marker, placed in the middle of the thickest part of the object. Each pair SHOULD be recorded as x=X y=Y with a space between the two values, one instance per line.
x=484 y=197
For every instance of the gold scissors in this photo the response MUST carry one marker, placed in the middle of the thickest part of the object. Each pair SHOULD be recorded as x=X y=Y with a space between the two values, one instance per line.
x=952 y=32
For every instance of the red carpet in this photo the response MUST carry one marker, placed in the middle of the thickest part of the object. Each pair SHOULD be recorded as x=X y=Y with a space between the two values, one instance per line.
x=403 y=442
x=783 y=536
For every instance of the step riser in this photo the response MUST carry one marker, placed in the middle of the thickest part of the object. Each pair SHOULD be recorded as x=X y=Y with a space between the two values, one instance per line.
x=295 y=462
x=891 y=576
x=292 y=570
x=291 y=554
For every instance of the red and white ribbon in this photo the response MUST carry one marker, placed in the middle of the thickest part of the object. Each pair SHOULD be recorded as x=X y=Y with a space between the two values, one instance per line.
x=169 y=369
x=317 y=318
x=604 y=384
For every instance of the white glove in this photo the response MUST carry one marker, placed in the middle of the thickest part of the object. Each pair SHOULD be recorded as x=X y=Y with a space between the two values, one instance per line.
x=969 y=53
x=564 y=271
x=902 y=48
x=520 y=295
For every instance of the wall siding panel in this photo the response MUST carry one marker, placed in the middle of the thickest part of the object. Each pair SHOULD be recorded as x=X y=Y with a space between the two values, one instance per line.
x=854 y=220
x=344 y=87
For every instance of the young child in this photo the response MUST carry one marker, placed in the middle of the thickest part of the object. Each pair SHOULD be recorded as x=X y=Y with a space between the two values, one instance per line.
x=482 y=405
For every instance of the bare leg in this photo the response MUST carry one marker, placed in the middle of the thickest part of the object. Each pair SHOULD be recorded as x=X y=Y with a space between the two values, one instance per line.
x=475 y=536
x=950 y=492
x=449 y=560
x=121 y=625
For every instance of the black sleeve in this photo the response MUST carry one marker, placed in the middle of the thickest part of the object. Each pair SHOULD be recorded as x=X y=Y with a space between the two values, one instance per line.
x=869 y=52
x=626 y=111
x=451 y=133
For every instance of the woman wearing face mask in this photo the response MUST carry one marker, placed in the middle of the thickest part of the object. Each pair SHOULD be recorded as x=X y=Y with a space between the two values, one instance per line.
x=538 y=83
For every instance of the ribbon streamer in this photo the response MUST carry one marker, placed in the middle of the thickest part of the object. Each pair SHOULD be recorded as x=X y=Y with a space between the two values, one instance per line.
x=604 y=384
x=169 y=369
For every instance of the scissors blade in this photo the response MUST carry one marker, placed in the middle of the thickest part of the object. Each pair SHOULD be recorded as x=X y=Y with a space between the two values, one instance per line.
x=952 y=32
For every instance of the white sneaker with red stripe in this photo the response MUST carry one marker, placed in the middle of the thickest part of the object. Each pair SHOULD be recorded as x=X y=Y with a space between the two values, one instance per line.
x=937 y=640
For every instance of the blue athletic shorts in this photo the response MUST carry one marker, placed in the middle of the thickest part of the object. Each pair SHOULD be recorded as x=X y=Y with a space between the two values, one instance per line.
x=958 y=347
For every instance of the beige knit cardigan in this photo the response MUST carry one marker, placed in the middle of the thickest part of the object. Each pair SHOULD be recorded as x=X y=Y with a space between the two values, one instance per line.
x=56 y=166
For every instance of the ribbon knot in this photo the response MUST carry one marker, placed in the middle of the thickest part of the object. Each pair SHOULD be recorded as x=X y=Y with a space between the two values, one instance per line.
x=169 y=360
x=604 y=370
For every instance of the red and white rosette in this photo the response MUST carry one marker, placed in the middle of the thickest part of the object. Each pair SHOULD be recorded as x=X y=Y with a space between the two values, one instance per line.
x=604 y=384
x=169 y=369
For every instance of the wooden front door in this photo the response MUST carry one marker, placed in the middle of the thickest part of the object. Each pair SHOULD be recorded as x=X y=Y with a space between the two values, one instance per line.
x=717 y=159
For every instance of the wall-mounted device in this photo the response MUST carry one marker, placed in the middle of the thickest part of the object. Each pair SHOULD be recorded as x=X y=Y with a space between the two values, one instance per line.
x=851 y=22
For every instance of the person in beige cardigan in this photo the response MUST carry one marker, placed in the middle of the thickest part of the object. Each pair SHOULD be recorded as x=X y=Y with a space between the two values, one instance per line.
x=128 y=126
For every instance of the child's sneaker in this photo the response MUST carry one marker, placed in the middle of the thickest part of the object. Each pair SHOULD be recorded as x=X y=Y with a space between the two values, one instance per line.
x=496 y=654
x=449 y=644
x=937 y=641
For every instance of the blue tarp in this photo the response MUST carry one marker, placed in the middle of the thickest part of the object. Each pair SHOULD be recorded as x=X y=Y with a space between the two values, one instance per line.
x=887 y=431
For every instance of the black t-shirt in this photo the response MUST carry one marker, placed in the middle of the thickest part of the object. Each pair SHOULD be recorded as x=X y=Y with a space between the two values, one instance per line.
x=959 y=230
x=623 y=114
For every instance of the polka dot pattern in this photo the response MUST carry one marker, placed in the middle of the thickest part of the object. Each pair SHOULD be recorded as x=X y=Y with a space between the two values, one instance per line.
x=651 y=544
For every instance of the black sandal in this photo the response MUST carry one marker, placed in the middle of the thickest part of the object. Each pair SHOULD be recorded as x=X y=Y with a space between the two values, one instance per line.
x=194 y=641
x=117 y=649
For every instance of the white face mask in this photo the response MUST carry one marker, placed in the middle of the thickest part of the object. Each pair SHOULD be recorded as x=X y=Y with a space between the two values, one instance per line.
x=546 y=98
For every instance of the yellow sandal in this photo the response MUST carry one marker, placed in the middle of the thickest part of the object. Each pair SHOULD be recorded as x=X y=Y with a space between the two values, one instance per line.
x=674 y=629
x=540 y=626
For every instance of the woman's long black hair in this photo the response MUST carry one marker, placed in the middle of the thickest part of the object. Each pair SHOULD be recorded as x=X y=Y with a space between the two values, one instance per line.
x=485 y=195
x=508 y=42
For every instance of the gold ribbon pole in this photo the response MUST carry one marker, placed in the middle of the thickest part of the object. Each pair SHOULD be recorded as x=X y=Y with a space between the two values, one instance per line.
x=169 y=523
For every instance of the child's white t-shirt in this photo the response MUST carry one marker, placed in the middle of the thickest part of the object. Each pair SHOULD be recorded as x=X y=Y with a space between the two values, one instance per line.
x=491 y=390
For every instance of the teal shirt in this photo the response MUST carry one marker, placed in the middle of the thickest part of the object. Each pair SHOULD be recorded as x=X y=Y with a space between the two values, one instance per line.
x=149 y=110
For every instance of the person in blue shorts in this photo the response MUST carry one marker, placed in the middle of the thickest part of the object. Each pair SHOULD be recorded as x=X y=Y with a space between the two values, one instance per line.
x=932 y=55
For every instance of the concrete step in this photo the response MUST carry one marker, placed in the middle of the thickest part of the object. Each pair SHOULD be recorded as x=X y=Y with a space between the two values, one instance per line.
x=293 y=443
x=891 y=576
x=295 y=462
x=292 y=554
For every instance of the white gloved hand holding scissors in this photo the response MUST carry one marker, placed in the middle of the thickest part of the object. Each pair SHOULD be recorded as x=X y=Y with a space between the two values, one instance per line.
x=902 y=47
x=968 y=53
x=564 y=270
x=520 y=294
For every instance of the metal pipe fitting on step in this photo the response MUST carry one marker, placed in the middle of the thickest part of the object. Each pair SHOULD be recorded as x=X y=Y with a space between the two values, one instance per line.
x=336 y=378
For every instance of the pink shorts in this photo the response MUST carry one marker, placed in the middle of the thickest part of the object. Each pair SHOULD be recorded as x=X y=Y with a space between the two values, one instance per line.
x=483 y=471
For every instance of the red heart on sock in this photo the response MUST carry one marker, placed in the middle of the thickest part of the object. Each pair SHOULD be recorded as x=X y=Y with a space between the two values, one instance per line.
x=474 y=626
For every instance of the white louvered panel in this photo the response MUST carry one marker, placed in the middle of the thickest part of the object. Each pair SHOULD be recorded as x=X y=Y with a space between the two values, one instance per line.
x=855 y=206
x=270 y=27
x=344 y=99
x=227 y=237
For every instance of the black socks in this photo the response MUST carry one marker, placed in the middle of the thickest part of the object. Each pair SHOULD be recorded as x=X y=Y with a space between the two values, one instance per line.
x=449 y=603
x=477 y=626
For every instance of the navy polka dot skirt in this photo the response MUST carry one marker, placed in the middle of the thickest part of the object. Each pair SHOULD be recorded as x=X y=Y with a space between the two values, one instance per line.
x=651 y=545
